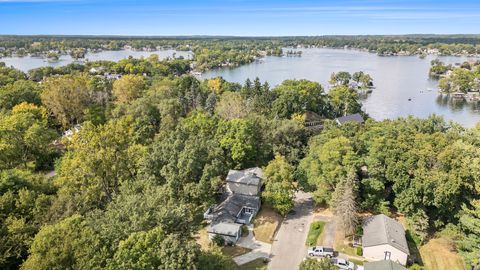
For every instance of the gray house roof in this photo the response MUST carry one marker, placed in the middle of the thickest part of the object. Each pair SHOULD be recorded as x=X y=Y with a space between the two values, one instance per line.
x=383 y=265
x=228 y=210
x=380 y=230
x=224 y=228
x=251 y=176
x=350 y=118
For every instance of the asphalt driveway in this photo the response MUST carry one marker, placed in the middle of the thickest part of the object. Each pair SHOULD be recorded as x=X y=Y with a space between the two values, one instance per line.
x=288 y=249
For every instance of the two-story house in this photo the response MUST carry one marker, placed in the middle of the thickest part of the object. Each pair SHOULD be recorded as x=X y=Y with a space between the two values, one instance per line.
x=240 y=206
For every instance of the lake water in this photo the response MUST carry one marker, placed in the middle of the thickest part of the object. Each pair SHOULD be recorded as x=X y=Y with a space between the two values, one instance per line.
x=397 y=79
x=27 y=63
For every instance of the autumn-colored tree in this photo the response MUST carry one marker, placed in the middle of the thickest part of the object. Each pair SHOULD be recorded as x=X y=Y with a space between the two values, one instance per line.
x=66 y=97
x=231 y=106
x=128 y=88
x=215 y=85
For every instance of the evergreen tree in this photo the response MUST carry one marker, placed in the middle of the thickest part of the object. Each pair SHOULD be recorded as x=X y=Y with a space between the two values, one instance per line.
x=344 y=202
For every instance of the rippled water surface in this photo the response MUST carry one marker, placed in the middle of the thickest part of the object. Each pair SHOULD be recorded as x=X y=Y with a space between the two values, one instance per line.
x=27 y=63
x=397 y=79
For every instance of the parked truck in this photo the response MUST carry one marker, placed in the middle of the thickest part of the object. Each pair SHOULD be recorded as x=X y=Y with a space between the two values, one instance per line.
x=320 y=251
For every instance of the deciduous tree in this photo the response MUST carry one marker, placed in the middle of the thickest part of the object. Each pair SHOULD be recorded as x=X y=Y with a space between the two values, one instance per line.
x=279 y=189
x=128 y=88
x=66 y=97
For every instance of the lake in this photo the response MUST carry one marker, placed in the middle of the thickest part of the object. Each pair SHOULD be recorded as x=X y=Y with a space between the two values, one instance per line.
x=27 y=63
x=397 y=79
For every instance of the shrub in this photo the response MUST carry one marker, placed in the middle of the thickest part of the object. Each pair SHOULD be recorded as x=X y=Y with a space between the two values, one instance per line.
x=218 y=240
x=244 y=231
x=415 y=267
x=359 y=230
x=359 y=251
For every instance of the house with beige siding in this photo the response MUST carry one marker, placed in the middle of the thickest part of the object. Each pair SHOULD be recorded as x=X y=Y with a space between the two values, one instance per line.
x=384 y=239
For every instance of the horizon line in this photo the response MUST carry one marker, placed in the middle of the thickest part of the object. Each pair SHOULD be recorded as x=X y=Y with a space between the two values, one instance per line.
x=234 y=36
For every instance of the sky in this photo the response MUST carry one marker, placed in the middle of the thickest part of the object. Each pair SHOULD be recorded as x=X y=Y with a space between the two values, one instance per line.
x=239 y=17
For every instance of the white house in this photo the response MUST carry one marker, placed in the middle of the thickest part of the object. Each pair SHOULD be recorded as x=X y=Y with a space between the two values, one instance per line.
x=384 y=239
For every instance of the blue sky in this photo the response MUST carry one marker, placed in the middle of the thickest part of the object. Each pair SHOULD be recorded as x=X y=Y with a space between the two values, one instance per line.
x=238 y=17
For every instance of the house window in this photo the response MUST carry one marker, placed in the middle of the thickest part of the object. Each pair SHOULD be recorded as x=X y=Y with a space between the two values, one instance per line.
x=388 y=254
x=248 y=210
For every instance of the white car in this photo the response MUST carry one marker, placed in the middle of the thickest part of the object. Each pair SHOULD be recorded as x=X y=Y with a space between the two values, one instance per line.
x=320 y=251
x=344 y=264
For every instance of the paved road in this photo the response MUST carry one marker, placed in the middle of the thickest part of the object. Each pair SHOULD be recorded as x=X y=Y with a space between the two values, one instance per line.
x=288 y=249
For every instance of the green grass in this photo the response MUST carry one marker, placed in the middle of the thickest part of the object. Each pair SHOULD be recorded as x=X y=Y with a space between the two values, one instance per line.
x=257 y=264
x=314 y=232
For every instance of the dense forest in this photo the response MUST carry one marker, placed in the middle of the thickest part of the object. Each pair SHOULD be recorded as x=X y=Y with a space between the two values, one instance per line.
x=110 y=165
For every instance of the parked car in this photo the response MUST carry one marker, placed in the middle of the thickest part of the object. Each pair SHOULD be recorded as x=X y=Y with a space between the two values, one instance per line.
x=321 y=251
x=344 y=264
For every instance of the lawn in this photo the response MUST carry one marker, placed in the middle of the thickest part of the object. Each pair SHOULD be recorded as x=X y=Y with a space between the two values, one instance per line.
x=266 y=224
x=341 y=244
x=234 y=251
x=439 y=254
x=201 y=237
x=314 y=232
x=231 y=251
x=257 y=264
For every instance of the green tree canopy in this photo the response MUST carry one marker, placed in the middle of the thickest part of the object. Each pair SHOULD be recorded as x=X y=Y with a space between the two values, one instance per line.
x=279 y=190
x=344 y=101
x=314 y=264
x=298 y=96
x=24 y=135
x=98 y=161
x=128 y=88
x=155 y=250
x=68 y=244
x=19 y=92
